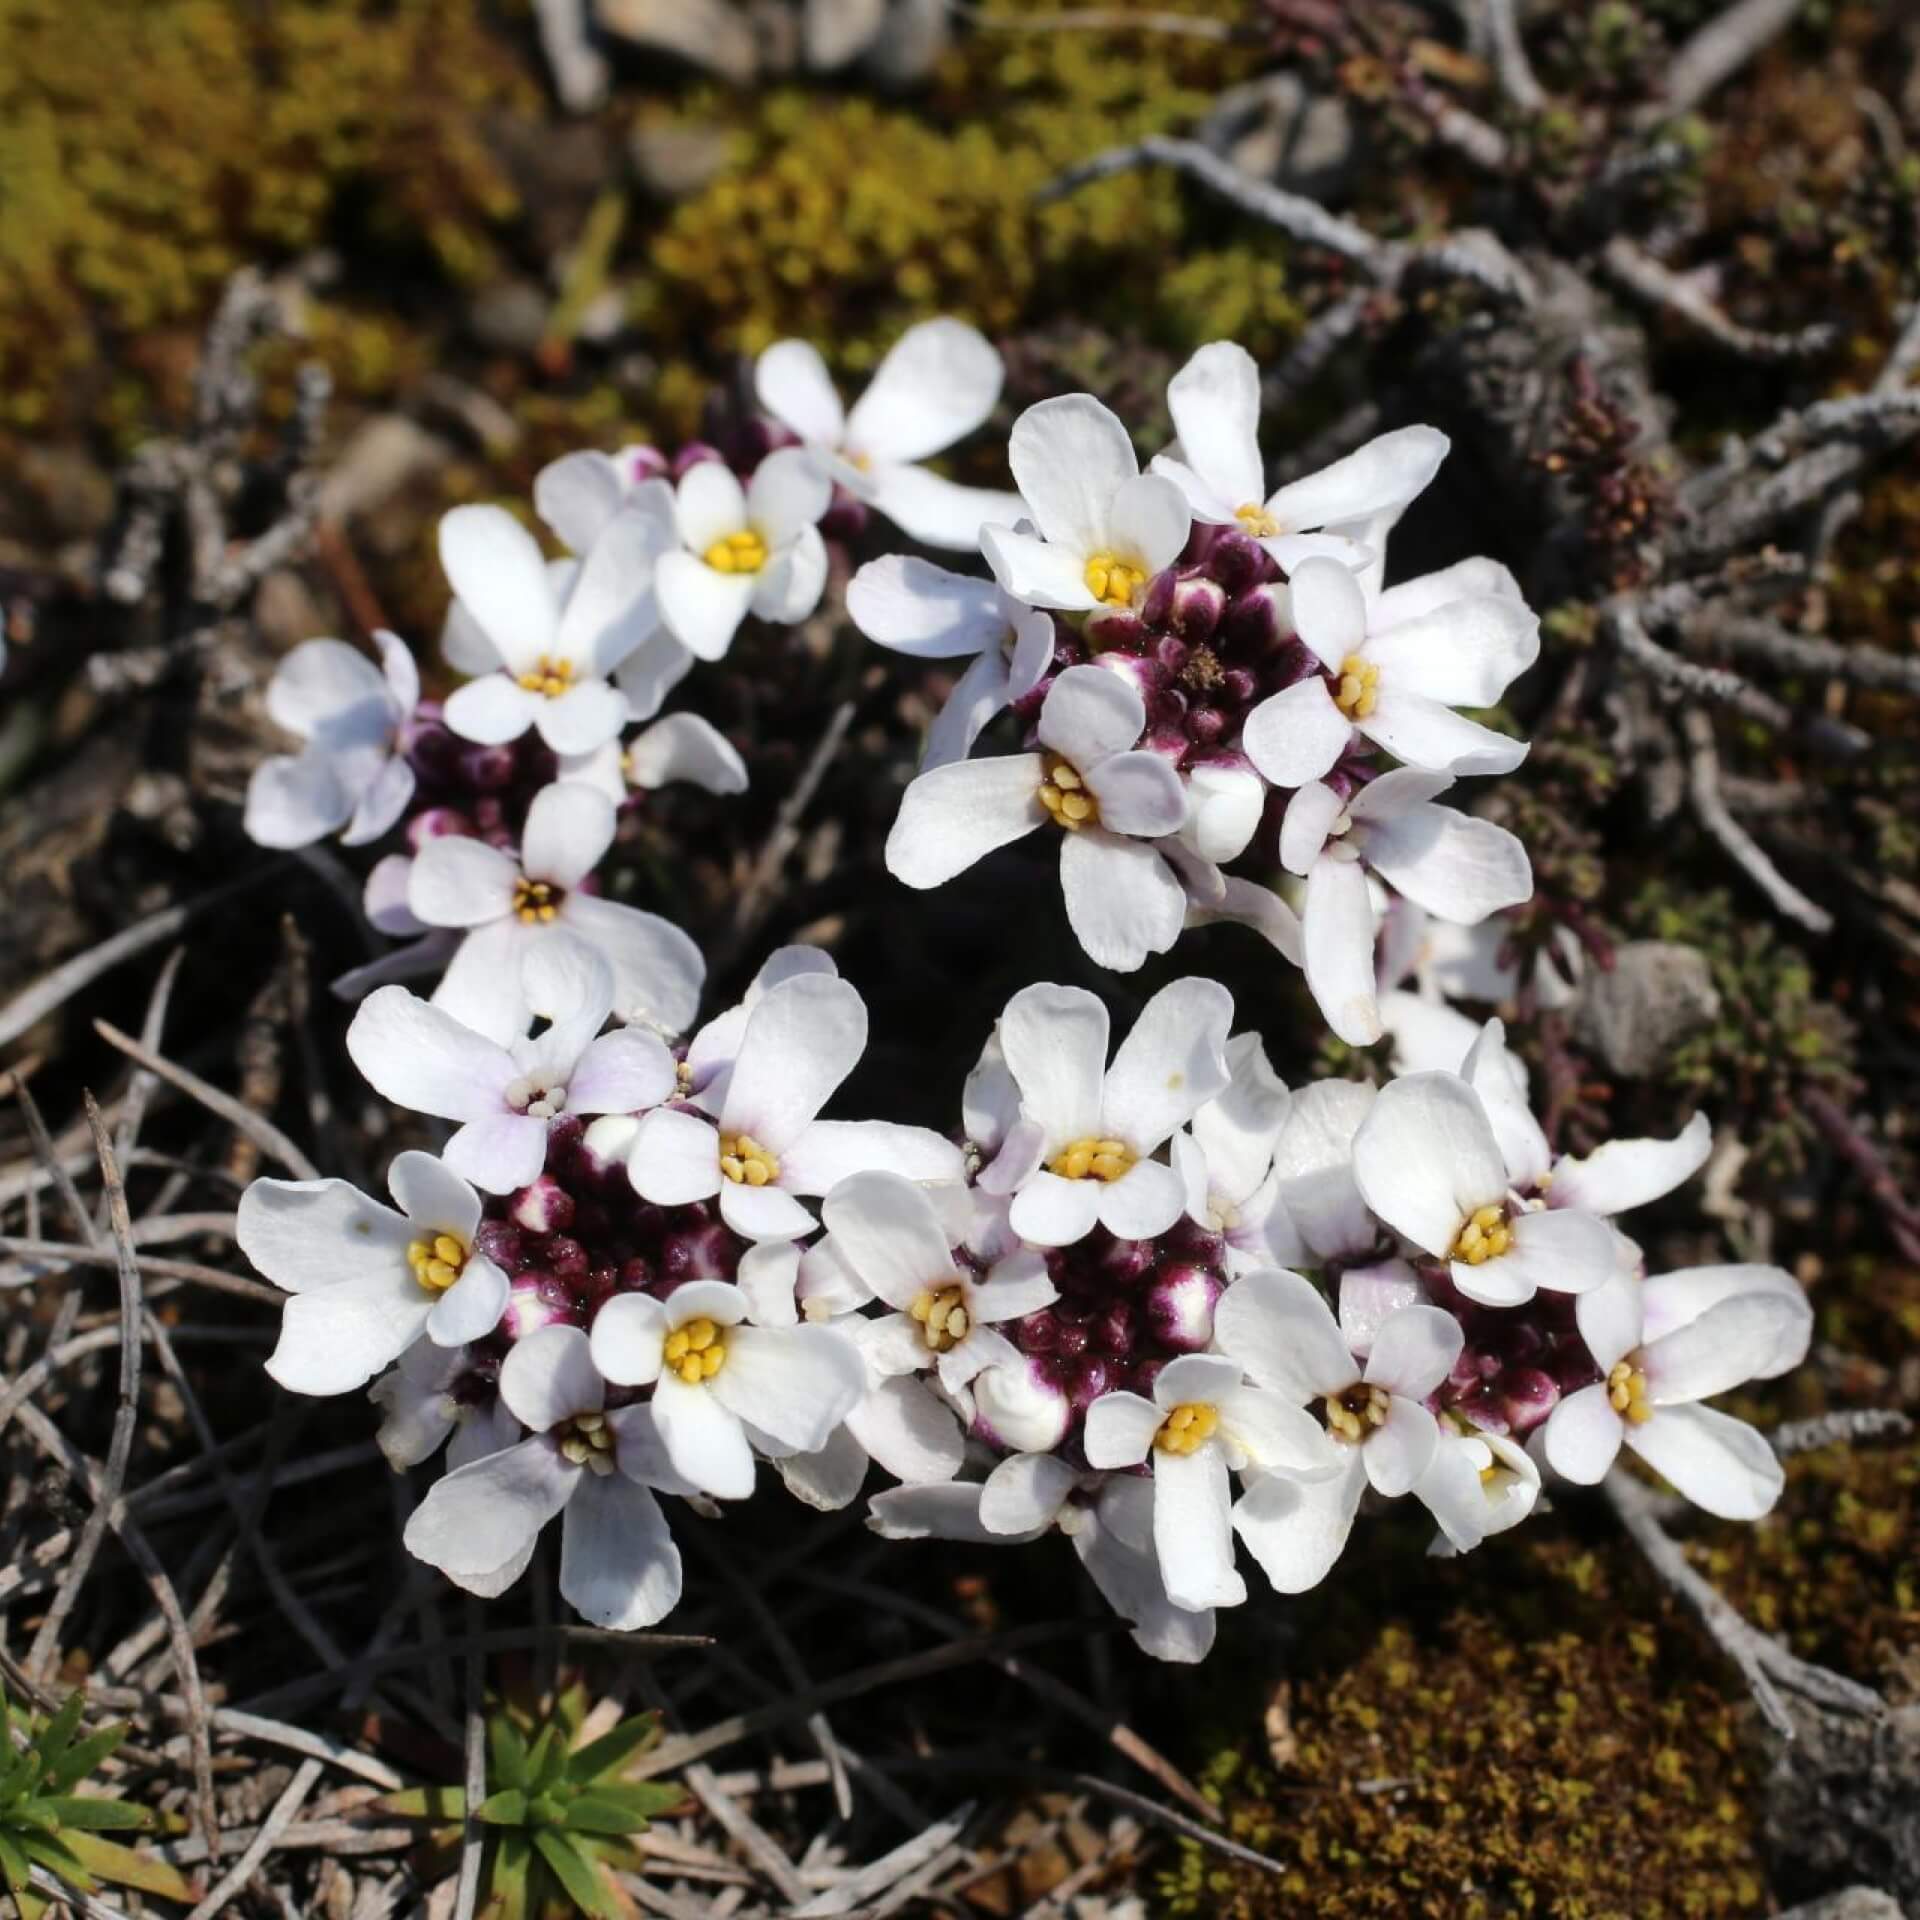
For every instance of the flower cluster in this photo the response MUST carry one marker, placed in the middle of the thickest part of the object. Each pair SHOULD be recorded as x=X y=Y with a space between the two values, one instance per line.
x=1144 y=1294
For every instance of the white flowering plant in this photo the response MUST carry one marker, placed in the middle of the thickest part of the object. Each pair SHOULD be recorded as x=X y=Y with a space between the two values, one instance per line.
x=1136 y=1289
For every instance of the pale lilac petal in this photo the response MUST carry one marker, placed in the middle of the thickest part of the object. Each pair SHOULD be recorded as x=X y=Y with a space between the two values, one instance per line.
x=709 y=504
x=335 y=1338
x=1144 y=1202
x=381 y=805
x=421 y=1058
x=458 y=882
x=1314 y=1158
x=478 y=1524
x=329 y=688
x=652 y=671
x=1015 y=1286
x=787 y=495
x=569 y=829
x=909 y=1431
x=619 y=1567
x=982 y=691
x=549 y=1376
x=1675 y=1300
x=1138 y=793
x=622 y=1072
x=294 y=800
x=658 y=971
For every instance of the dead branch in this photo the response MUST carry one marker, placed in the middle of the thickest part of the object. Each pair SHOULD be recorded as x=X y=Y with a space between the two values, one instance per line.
x=1510 y=63
x=1630 y=266
x=1716 y=52
x=1841 y=1428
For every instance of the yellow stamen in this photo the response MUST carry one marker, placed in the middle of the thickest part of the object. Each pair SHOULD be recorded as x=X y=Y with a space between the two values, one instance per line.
x=436 y=1263
x=587 y=1441
x=535 y=902
x=1486 y=1235
x=1355 y=1413
x=1092 y=1159
x=1359 y=687
x=1627 y=1393
x=696 y=1351
x=742 y=552
x=1256 y=520
x=1112 y=581
x=746 y=1162
x=548 y=676
x=943 y=1317
x=1187 y=1428
x=1064 y=795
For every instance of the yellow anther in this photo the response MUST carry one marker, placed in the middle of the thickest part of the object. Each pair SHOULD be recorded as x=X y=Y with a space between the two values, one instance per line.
x=1359 y=687
x=1112 y=581
x=1256 y=520
x=587 y=1441
x=1094 y=1158
x=1353 y=1414
x=1187 y=1428
x=1486 y=1235
x=548 y=676
x=535 y=902
x=696 y=1351
x=682 y=1078
x=1627 y=1393
x=742 y=552
x=1063 y=792
x=746 y=1162
x=436 y=1263
x=943 y=1317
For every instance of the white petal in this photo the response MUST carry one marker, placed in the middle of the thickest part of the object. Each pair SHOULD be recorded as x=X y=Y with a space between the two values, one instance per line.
x=619 y=1567
x=569 y=829
x=336 y=1338
x=470 y=1309
x=829 y=1150
x=464 y=646
x=549 y=1376
x=652 y=670
x=953 y=815
x=1069 y=456
x=494 y=566
x=1583 y=1436
x=1172 y=1061
x=458 y=882
x=801 y=1041
x=577 y=495
x=706 y=1443
x=1421 y=595
x=1129 y=1580
x=830 y=1478
x=1224 y=805
x=491 y=709
x=796 y=1383
x=1120 y=1429
x=1726 y=1347
x=1296 y=735
x=1675 y=1300
x=909 y=1431
x=1249 y=904
x=930 y=1513
x=792 y=382
x=1015 y=1286
x=702 y=609
x=1089 y=714
x=709 y=504
x=1623 y=1174
x=479 y=1523
x=1025 y=1493
x=1610 y=1320
x=1562 y=1252
x=1276 y=1432
x=685 y=747
x=1304 y=828
x=380 y=805
x=982 y=691
x=888 y=1232
x=413 y=1054
x=939 y=381
x=768 y=1278
x=1032 y=571
x=1314 y=1158
x=676 y=1158
x=1138 y=793
x=304 y=1234
x=294 y=800
x=622 y=1072
x=1423 y=733
x=1193 y=1529
x=432 y=1196
x=1054 y=1040
x=1053 y=1212
x=1397 y=1453
x=940 y=512
x=1123 y=901
x=763 y=1213
x=1276 y=1326
x=1374 y=479
x=629 y=1334
x=1297 y=1529
x=789 y=586
x=1336 y=936
x=1414 y=1351
x=327 y=687
x=787 y=495
x=658 y=972
x=1425 y=1158
x=1458 y=868
x=1205 y=502
x=1149 y=521
x=1215 y=403
x=1718 y=1463
x=384 y=897
x=1015 y=1407
x=583 y=719
x=1451 y=1490
x=1329 y=610
x=1463 y=654
x=917 y=608
x=481 y=985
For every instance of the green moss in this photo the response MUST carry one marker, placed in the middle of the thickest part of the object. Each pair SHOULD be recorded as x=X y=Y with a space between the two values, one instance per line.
x=1529 y=1731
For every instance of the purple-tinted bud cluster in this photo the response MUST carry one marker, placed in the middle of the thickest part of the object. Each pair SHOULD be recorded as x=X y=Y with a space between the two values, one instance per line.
x=463 y=788
x=1126 y=1308
x=1518 y=1363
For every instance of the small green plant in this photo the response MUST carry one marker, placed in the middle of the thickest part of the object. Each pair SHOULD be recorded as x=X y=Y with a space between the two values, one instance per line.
x=561 y=1814
x=44 y=1823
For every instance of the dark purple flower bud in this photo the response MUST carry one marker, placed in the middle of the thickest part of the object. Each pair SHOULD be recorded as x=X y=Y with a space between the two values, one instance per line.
x=438 y=823
x=845 y=518
x=432 y=751
x=703 y=1252
x=1237 y=561
x=1142 y=674
x=1115 y=1330
x=1205 y=725
x=693 y=454
x=501 y=1242
x=1257 y=621
x=1157 y=602
x=1528 y=1395
x=645 y=463
x=1125 y=1263
x=1115 y=627
x=489 y=768
x=544 y=1207
x=1198 y=608
x=1240 y=685
x=1144 y=1373
x=1179 y=1307
x=1172 y=654
x=635 y=1275
x=532 y=1303
x=1070 y=1338
x=1169 y=740
x=1090 y=1379
x=1036 y=1332
x=567 y=1257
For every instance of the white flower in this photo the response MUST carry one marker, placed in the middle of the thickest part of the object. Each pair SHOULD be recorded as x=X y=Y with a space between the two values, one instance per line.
x=1203 y=1421
x=506 y=904
x=1108 y=1517
x=419 y=1412
x=1672 y=1300
x=939 y=382
x=1313 y=1166
x=799 y=1041
x=556 y=635
x=756 y=550
x=1215 y=403
x=887 y=1230
x=1105 y=528
x=479 y=1524
x=1280 y=1330
x=1401 y=660
x=681 y=747
x=916 y=608
x=507 y=1097
x=1089 y=1130
x=721 y=1386
x=366 y=1281
x=1108 y=798
x=1224 y=1158
x=1427 y=1161
x=350 y=775
x=1453 y=865
x=1649 y=1388
x=1477 y=1484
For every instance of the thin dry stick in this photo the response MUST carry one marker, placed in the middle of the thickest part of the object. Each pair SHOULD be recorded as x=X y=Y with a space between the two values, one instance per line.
x=473 y=1840
x=155 y=1266
x=1192 y=26
x=126 y=1414
x=1717 y=51
x=1841 y=1428
x=1517 y=78
x=276 y=1823
x=1703 y=788
x=260 y=1130
x=910 y=1857
x=140 y=1089
x=1631 y=266
x=1776 y=646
